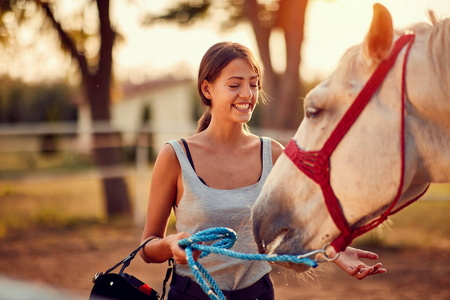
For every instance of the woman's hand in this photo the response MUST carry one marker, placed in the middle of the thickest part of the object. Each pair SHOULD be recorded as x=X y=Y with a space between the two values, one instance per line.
x=179 y=255
x=348 y=261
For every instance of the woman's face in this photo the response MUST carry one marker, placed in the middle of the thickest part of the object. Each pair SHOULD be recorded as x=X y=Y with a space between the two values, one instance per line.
x=234 y=93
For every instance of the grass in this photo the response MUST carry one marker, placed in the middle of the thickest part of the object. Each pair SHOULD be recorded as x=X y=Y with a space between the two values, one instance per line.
x=16 y=165
x=62 y=199
x=52 y=203
x=67 y=198
x=71 y=200
x=424 y=224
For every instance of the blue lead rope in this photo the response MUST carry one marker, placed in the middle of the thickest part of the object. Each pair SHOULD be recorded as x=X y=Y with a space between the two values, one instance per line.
x=227 y=237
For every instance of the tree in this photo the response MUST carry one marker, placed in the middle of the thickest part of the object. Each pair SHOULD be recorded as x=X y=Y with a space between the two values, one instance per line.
x=288 y=16
x=96 y=76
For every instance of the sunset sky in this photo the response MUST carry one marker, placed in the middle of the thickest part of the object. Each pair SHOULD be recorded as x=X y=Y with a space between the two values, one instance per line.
x=332 y=26
x=151 y=52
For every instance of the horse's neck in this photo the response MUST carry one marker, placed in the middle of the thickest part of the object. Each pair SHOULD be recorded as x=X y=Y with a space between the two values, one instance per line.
x=431 y=141
x=428 y=88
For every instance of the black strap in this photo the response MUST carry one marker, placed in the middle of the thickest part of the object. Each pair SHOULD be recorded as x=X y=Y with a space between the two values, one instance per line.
x=126 y=262
x=171 y=263
x=262 y=146
x=188 y=153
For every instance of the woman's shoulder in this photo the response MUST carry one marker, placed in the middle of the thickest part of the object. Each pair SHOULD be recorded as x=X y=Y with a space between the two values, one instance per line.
x=276 y=146
x=167 y=155
x=277 y=149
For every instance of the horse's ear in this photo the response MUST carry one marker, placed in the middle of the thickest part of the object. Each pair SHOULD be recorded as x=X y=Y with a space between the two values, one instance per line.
x=378 y=41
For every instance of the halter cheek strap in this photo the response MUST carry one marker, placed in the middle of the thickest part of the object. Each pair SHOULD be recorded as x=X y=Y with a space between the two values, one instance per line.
x=316 y=164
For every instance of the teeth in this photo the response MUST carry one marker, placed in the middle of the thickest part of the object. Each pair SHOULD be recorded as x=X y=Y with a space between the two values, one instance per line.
x=275 y=243
x=242 y=106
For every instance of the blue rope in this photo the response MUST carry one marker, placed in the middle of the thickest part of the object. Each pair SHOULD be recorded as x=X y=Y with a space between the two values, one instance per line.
x=227 y=237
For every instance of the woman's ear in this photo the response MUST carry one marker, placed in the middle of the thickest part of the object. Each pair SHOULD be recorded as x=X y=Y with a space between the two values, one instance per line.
x=205 y=89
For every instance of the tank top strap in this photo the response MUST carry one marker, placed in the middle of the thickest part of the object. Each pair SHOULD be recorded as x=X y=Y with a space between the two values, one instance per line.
x=185 y=164
x=266 y=158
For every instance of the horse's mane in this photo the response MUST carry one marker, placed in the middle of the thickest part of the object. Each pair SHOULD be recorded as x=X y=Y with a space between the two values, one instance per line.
x=437 y=43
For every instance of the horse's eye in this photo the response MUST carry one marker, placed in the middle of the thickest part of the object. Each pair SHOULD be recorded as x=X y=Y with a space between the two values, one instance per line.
x=312 y=112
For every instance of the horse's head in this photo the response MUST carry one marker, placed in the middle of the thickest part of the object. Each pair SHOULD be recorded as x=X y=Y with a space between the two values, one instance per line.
x=365 y=166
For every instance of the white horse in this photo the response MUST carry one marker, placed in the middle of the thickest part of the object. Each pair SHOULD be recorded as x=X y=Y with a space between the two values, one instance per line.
x=339 y=173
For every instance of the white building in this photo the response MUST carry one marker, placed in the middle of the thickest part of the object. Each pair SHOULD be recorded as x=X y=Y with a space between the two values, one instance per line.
x=164 y=108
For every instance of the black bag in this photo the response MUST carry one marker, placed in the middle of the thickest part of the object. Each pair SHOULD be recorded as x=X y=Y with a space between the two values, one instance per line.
x=123 y=286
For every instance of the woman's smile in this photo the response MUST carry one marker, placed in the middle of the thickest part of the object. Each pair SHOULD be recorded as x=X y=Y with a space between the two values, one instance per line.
x=243 y=107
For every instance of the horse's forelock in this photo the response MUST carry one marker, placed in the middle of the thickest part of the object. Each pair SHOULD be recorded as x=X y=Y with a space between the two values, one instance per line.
x=348 y=61
x=438 y=51
x=437 y=46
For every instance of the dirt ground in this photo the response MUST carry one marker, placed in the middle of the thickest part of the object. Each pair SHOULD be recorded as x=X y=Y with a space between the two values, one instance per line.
x=68 y=259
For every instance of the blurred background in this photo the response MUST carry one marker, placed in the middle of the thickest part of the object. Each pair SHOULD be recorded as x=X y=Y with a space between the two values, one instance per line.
x=90 y=91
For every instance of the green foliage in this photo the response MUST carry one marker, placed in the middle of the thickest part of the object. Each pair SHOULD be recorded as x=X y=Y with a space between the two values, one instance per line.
x=188 y=12
x=185 y=13
x=22 y=102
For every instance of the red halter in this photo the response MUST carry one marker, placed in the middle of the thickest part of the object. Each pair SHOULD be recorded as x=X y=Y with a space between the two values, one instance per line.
x=316 y=164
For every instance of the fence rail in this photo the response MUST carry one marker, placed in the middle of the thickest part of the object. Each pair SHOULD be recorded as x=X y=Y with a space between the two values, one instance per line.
x=25 y=139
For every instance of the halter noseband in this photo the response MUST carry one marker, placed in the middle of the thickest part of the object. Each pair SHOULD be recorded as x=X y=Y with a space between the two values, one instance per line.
x=316 y=164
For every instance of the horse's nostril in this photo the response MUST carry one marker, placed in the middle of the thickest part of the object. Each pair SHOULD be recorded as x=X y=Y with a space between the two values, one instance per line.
x=261 y=247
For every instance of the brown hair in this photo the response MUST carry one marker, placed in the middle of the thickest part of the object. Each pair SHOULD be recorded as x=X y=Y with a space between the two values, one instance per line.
x=215 y=59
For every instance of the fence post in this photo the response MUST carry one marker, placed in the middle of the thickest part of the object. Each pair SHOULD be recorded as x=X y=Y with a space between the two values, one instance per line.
x=142 y=172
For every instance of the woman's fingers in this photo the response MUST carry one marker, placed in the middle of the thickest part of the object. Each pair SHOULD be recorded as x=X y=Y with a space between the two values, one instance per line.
x=363 y=271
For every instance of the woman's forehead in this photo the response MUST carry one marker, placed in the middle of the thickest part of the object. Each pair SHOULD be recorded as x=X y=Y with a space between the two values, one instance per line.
x=239 y=69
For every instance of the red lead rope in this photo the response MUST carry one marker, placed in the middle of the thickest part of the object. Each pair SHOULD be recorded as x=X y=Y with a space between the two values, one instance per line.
x=316 y=164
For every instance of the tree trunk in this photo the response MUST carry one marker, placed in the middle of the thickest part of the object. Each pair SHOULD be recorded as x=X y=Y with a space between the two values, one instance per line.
x=107 y=151
x=291 y=18
x=97 y=86
x=108 y=155
x=282 y=110
x=270 y=78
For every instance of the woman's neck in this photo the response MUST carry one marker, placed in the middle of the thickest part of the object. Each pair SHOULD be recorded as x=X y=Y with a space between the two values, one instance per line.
x=225 y=135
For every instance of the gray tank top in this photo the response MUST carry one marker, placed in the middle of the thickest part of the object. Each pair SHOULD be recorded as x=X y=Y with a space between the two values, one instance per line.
x=202 y=207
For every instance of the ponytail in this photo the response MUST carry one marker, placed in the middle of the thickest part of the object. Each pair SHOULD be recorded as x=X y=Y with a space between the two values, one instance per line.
x=204 y=120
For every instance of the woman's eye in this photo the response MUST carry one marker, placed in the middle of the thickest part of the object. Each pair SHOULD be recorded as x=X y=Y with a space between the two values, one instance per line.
x=312 y=112
x=233 y=86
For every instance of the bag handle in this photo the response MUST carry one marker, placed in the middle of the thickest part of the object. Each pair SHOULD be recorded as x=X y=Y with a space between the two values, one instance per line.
x=126 y=262
x=171 y=263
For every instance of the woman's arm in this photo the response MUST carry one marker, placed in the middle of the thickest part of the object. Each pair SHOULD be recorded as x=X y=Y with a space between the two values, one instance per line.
x=165 y=183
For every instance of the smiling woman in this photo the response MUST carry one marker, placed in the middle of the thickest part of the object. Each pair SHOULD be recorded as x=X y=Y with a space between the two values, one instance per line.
x=212 y=178
x=241 y=77
x=241 y=92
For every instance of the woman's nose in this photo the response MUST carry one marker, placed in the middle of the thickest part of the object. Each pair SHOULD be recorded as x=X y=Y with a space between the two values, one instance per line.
x=246 y=92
